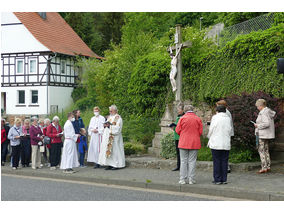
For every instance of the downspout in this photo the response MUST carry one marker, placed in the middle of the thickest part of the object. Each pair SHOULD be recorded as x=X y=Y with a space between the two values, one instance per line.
x=48 y=80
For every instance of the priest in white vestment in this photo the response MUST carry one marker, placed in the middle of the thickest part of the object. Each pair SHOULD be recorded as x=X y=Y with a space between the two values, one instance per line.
x=112 y=148
x=69 y=158
x=96 y=129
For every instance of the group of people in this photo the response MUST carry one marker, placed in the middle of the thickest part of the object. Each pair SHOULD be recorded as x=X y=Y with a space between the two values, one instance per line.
x=34 y=139
x=189 y=128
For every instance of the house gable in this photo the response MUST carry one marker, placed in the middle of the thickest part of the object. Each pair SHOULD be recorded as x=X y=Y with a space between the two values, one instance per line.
x=15 y=37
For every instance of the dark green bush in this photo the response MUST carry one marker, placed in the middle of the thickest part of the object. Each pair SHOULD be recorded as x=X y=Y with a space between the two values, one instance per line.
x=133 y=148
x=243 y=110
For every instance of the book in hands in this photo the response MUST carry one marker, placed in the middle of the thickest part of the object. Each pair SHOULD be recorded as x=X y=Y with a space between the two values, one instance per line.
x=172 y=125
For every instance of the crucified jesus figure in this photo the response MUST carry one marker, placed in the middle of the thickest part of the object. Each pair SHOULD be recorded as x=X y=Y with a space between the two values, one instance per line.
x=173 y=72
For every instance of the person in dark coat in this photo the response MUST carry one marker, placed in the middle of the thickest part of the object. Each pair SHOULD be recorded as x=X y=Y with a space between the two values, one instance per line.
x=176 y=136
x=4 y=142
x=26 y=144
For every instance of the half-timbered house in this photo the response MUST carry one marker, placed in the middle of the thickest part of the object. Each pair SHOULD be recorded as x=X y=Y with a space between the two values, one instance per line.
x=38 y=54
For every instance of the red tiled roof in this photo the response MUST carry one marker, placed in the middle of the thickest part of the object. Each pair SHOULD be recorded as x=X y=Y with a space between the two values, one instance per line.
x=54 y=33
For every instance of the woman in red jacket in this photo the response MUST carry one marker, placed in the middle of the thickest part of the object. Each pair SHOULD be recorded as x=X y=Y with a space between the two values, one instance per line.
x=189 y=128
x=54 y=131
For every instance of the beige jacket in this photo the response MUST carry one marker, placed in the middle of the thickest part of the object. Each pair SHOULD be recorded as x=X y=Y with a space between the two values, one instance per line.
x=265 y=124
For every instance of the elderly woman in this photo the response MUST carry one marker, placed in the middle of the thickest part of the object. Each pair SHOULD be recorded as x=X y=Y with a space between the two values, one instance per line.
x=264 y=131
x=189 y=128
x=26 y=144
x=220 y=143
x=14 y=136
x=36 y=141
x=55 y=133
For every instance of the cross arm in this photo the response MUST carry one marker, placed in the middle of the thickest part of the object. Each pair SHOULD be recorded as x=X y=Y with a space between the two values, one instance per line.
x=185 y=44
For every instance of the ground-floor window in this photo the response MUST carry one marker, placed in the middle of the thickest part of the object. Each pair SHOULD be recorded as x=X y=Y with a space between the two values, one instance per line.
x=21 y=96
x=34 y=94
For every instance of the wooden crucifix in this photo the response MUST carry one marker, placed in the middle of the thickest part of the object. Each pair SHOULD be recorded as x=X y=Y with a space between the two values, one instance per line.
x=176 y=63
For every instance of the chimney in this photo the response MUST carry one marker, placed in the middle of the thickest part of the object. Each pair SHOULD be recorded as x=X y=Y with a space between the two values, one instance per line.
x=42 y=15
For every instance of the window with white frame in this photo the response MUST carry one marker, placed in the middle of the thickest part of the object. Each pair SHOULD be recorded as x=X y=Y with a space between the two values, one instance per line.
x=20 y=66
x=32 y=66
x=62 y=67
x=21 y=96
x=34 y=96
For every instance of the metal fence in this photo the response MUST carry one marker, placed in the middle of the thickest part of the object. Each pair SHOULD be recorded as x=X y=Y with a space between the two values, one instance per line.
x=262 y=22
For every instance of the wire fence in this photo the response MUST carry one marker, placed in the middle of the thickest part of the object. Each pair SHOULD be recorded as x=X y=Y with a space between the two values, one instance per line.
x=262 y=22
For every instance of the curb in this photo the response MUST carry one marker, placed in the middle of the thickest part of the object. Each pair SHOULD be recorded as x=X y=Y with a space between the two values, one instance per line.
x=157 y=163
x=195 y=189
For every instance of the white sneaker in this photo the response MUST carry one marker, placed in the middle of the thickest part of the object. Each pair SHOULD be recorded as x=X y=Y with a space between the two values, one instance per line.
x=53 y=168
x=41 y=165
x=14 y=168
x=182 y=182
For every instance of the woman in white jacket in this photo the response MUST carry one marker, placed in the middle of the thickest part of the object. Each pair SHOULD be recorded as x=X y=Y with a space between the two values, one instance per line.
x=220 y=143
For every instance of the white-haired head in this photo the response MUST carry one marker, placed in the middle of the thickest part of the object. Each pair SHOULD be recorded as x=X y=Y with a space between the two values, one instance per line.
x=189 y=108
x=46 y=121
x=113 y=109
x=55 y=118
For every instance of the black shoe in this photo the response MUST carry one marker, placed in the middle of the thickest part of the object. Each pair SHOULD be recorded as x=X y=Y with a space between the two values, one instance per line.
x=2 y=164
x=114 y=168
x=108 y=168
x=97 y=166
x=229 y=171
x=225 y=182
x=24 y=165
x=175 y=169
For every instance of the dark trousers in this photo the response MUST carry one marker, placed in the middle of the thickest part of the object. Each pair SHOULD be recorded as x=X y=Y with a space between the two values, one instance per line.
x=44 y=154
x=55 y=154
x=220 y=164
x=16 y=151
x=25 y=152
x=4 y=151
x=178 y=155
x=82 y=158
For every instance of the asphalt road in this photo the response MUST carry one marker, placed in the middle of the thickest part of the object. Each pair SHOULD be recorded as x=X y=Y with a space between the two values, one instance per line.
x=22 y=188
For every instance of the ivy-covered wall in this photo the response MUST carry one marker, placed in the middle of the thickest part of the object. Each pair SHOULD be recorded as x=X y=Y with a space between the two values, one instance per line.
x=246 y=64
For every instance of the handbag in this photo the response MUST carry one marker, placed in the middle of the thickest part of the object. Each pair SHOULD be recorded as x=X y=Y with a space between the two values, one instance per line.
x=46 y=140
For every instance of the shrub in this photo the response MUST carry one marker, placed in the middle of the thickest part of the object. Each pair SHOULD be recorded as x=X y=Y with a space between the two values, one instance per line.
x=243 y=110
x=140 y=129
x=239 y=156
x=168 y=146
x=133 y=148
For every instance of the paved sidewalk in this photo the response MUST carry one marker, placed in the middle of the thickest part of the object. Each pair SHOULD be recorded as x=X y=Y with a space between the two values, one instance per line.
x=244 y=185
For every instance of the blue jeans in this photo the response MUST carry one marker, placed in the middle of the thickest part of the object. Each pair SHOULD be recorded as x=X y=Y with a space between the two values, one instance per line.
x=220 y=164
x=82 y=158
